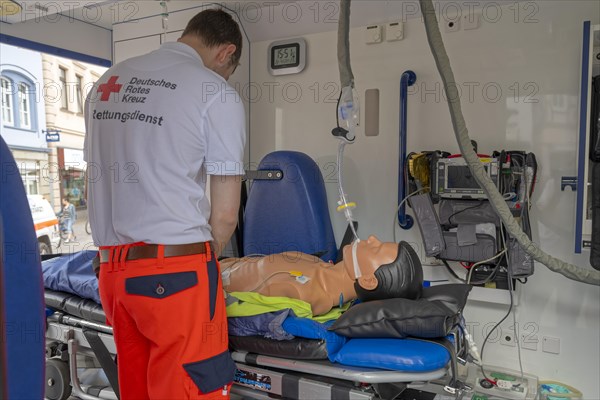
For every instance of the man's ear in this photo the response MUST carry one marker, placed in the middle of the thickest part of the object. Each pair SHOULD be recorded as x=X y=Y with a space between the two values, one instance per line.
x=368 y=282
x=225 y=53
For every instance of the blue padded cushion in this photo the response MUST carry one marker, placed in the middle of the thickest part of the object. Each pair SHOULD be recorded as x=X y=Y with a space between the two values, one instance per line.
x=23 y=302
x=72 y=273
x=290 y=214
x=308 y=329
x=408 y=355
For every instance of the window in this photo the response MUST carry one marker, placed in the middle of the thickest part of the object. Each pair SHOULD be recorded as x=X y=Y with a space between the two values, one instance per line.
x=18 y=101
x=24 y=106
x=7 y=103
x=30 y=174
x=63 y=89
x=79 y=85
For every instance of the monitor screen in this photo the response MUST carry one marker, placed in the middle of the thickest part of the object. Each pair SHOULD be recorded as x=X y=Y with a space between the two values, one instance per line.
x=460 y=177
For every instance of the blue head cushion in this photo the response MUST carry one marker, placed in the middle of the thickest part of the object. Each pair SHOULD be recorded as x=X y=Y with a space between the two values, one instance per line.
x=289 y=214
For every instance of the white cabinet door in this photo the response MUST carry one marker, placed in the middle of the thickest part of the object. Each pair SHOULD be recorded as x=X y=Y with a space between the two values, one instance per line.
x=135 y=47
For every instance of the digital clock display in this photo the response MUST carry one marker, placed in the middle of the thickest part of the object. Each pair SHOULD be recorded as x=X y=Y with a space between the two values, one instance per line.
x=285 y=56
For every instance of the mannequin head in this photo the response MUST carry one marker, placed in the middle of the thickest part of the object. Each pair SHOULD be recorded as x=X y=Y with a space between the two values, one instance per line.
x=387 y=270
x=370 y=254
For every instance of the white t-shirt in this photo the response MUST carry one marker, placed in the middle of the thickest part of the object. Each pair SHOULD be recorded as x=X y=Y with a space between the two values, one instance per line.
x=156 y=126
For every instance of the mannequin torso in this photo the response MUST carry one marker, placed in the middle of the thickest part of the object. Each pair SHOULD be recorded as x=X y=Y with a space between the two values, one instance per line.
x=290 y=274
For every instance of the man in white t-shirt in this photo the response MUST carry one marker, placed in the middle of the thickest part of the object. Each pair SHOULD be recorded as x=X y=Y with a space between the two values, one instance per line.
x=157 y=125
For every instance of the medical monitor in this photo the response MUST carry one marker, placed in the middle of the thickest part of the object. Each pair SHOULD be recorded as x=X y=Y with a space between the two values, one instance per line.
x=455 y=180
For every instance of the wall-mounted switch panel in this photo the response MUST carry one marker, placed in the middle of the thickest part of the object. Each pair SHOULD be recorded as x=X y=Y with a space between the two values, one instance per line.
x=394 y=31
x=471 y=21
x=551 y=345
x=373 y=34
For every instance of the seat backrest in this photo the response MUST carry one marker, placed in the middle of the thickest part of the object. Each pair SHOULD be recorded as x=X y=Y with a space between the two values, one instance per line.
x=290 y=214
x=23 y=294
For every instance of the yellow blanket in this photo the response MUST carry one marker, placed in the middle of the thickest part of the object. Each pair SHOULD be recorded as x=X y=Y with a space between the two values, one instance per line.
x=250 y=303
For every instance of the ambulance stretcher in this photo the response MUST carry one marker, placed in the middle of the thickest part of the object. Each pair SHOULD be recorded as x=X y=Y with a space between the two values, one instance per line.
x=289 y=181
x=78 y=329
x=77 y=332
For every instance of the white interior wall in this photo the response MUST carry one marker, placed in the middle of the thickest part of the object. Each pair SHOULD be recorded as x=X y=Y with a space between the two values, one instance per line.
x=533 y=57
x=64 y=33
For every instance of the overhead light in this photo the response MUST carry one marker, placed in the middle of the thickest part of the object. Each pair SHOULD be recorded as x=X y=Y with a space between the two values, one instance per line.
x=9 y=7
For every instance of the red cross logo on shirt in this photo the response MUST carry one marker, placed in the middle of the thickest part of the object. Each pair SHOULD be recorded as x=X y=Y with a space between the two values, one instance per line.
x=109 y=87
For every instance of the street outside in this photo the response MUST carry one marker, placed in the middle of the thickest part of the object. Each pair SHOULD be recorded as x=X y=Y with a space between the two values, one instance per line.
x=84 y=240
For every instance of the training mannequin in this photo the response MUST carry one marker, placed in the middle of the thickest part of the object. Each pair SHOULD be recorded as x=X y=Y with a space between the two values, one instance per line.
x=384 y=270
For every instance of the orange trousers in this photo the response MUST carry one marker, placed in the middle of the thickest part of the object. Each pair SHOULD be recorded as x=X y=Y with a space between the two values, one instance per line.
x=170 y=325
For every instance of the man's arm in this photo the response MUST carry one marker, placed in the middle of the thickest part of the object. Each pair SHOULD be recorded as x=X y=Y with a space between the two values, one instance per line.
x=225 y=204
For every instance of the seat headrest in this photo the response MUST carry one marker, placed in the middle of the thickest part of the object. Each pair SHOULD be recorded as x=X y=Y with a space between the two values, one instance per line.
x=290 y=214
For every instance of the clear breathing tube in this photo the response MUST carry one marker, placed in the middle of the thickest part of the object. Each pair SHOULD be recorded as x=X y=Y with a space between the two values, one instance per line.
x=165 y=18
x=343 y=204
x=348 y=118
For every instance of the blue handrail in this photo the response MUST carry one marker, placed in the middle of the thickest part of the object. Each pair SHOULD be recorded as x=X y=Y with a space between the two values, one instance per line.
x=408 y=79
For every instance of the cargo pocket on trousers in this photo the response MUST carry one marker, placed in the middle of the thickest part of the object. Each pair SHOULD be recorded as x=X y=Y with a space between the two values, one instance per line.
x=162 y=285
x=213 y=373
x=213 y=285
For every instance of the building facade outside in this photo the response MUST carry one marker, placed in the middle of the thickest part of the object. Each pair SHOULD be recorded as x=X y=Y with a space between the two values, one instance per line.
x=67 y=83
x=23 y=116
x=41 y=120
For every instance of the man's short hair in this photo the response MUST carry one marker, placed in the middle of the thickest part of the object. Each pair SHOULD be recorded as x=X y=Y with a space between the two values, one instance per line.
x=216 y=27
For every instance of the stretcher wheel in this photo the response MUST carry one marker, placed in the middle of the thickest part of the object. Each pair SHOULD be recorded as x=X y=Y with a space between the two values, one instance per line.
x=58 y=380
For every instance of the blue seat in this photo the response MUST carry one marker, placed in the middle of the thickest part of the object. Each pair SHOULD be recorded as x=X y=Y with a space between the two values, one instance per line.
x=22 y=297
x=290 y=214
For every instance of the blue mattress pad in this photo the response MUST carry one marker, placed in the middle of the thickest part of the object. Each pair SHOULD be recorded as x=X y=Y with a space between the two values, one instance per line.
x=408 y=355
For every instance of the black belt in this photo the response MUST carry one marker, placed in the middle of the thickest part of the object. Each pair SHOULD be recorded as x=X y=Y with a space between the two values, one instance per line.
x=151 y=251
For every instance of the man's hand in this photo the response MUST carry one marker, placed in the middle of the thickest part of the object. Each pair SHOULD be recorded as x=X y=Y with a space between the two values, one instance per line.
x=225 y=204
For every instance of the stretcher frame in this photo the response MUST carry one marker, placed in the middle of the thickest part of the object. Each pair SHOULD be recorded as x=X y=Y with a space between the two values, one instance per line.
x=288 y=378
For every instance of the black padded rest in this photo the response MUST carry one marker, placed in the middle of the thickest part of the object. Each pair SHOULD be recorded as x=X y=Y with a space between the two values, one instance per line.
x=75 y=305
x=432 y=316
x=298 y=348
x=452 y=295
